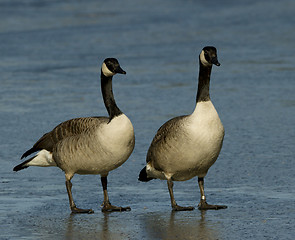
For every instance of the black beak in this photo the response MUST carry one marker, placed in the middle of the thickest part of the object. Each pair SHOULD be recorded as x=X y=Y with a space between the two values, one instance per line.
x=120 y=70
x=215 y=61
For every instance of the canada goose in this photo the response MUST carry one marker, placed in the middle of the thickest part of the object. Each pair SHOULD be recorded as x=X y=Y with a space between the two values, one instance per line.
x=187 y=146
x=90 y=145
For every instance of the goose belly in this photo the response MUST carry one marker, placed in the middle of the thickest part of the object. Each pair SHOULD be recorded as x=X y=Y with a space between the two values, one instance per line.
x=107 y=148
x=199 y=156
x=187 y=160
x=194 y=150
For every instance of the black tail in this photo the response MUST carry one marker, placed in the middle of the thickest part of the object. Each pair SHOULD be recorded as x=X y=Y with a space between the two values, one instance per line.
x=143 y=176
x=22 y=165
x=29 y=152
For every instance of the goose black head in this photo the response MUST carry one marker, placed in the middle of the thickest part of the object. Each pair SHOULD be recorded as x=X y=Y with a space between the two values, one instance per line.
x=208 y=56
x=110 y=67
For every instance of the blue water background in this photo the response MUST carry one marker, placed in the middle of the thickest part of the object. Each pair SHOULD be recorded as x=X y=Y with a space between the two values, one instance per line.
x=50 y=57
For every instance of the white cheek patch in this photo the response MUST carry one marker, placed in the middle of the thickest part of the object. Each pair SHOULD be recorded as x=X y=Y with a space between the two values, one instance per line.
x=106 y=71
x=203 y=59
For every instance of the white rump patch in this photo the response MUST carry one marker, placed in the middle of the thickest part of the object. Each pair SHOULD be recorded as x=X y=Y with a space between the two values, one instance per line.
x=107 y=72
x=42 y=159
x=203 y=59
x=151 y=172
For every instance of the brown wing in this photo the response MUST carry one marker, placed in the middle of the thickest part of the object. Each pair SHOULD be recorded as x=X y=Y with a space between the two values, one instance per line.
x=166 y=131
x=64 y=130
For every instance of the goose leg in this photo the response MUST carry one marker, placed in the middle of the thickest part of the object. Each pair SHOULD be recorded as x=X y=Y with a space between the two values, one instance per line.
x=73 y=207
x=203 y=205
x=174 y=205
x=107 y=206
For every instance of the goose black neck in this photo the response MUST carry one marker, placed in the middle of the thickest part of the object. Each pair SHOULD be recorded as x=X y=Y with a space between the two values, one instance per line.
x=204 y=83
x=108 y=97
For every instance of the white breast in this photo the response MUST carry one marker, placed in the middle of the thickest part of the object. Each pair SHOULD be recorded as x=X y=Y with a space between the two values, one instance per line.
x=206 y=129
x=205 y=135
x=205 y=120
x=116 y=140
x=116 y=133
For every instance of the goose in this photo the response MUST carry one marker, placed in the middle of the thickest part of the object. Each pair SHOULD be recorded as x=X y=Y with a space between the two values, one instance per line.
x=187 y=146
x=89 y=145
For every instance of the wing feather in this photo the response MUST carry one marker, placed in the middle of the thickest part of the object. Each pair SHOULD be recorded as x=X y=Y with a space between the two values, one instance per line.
x=166 y=131
x=64 y=130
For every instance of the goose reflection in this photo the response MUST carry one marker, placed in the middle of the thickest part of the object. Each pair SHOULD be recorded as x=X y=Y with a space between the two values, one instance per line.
x=180 y=226
x=78 y=229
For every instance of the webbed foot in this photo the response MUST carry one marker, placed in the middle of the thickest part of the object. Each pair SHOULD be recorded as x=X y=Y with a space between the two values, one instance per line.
x=179 y=208
x=203 y=205
x=79 y=210
x=111 y=208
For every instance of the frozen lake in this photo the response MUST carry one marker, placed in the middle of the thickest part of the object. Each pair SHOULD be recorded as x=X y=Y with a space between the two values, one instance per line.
x=51 y=52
